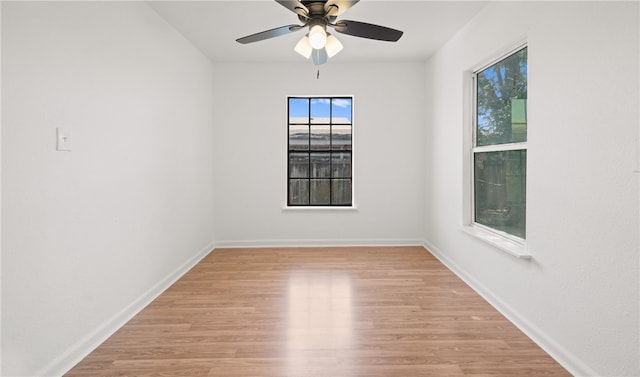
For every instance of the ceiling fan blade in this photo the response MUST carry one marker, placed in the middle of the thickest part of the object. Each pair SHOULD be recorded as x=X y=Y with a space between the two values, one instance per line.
x=319 y=57
x=295 y=6
x=282 y=30
x=365 y=30
x=337 y=7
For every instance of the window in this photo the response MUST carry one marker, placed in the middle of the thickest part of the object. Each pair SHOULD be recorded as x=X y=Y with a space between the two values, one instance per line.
x=319 y=157
x=499 y=150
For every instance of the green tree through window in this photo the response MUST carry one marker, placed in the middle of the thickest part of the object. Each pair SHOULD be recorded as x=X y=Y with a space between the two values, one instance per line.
x=500 y=150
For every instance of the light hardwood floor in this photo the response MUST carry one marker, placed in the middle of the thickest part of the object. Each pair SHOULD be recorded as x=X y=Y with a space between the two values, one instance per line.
x=378 y=312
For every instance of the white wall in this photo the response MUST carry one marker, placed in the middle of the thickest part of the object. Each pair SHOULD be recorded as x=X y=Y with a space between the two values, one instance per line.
x=251 y=159
x=90 y=235
x=578 y=297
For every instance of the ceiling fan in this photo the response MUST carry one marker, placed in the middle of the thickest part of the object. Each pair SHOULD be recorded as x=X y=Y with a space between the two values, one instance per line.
x=318 y=16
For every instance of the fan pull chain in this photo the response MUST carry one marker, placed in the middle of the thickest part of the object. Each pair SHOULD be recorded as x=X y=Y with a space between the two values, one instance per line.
x=318 y=74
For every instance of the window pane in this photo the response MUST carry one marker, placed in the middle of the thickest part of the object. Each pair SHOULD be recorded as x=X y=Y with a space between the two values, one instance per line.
x=341 y=138
x=320 y=165
x=298 y=192
x=320 y=137
x=341 y=165
x=341 y=192
x=320 y=191
x=500 y=190
x=298 y=165
x=299 y=110
x=320 y=110
x=341 y=111
x=501 y=102
x=298 y=137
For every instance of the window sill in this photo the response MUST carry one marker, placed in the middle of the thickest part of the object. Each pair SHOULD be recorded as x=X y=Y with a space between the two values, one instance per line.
x=319 y=209
x=510 y=247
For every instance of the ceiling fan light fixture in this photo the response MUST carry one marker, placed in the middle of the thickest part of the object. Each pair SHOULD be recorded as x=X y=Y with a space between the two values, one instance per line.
x=333 y=46
x=304 y=47
x=317 y=37
x=315 y=16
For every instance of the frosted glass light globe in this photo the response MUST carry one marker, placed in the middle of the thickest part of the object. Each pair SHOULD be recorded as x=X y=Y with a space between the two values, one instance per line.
x=317 y=37
x=333 y=46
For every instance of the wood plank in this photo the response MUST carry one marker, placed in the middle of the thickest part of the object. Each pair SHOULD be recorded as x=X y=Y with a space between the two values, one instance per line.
x=307 y=312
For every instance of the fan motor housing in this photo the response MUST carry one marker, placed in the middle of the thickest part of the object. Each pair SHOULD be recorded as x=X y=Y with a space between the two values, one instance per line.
x=317 y=14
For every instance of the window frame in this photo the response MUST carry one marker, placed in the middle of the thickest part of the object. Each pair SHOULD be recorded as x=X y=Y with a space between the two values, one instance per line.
x=502 y=240
x=320 y=207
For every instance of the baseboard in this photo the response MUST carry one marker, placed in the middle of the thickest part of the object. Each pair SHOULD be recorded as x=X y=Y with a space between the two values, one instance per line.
x=318 y=243
x=84 y=347
x=564 y=357
x=76 y=353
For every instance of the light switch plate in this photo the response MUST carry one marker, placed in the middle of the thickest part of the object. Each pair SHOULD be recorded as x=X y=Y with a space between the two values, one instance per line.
x=63 y=138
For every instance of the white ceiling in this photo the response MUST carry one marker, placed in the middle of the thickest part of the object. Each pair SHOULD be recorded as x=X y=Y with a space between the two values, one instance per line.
x=214 y=25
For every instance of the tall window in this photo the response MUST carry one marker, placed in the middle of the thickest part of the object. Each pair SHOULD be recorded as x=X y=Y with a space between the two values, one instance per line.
x=500 y=145
x=320 y=151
